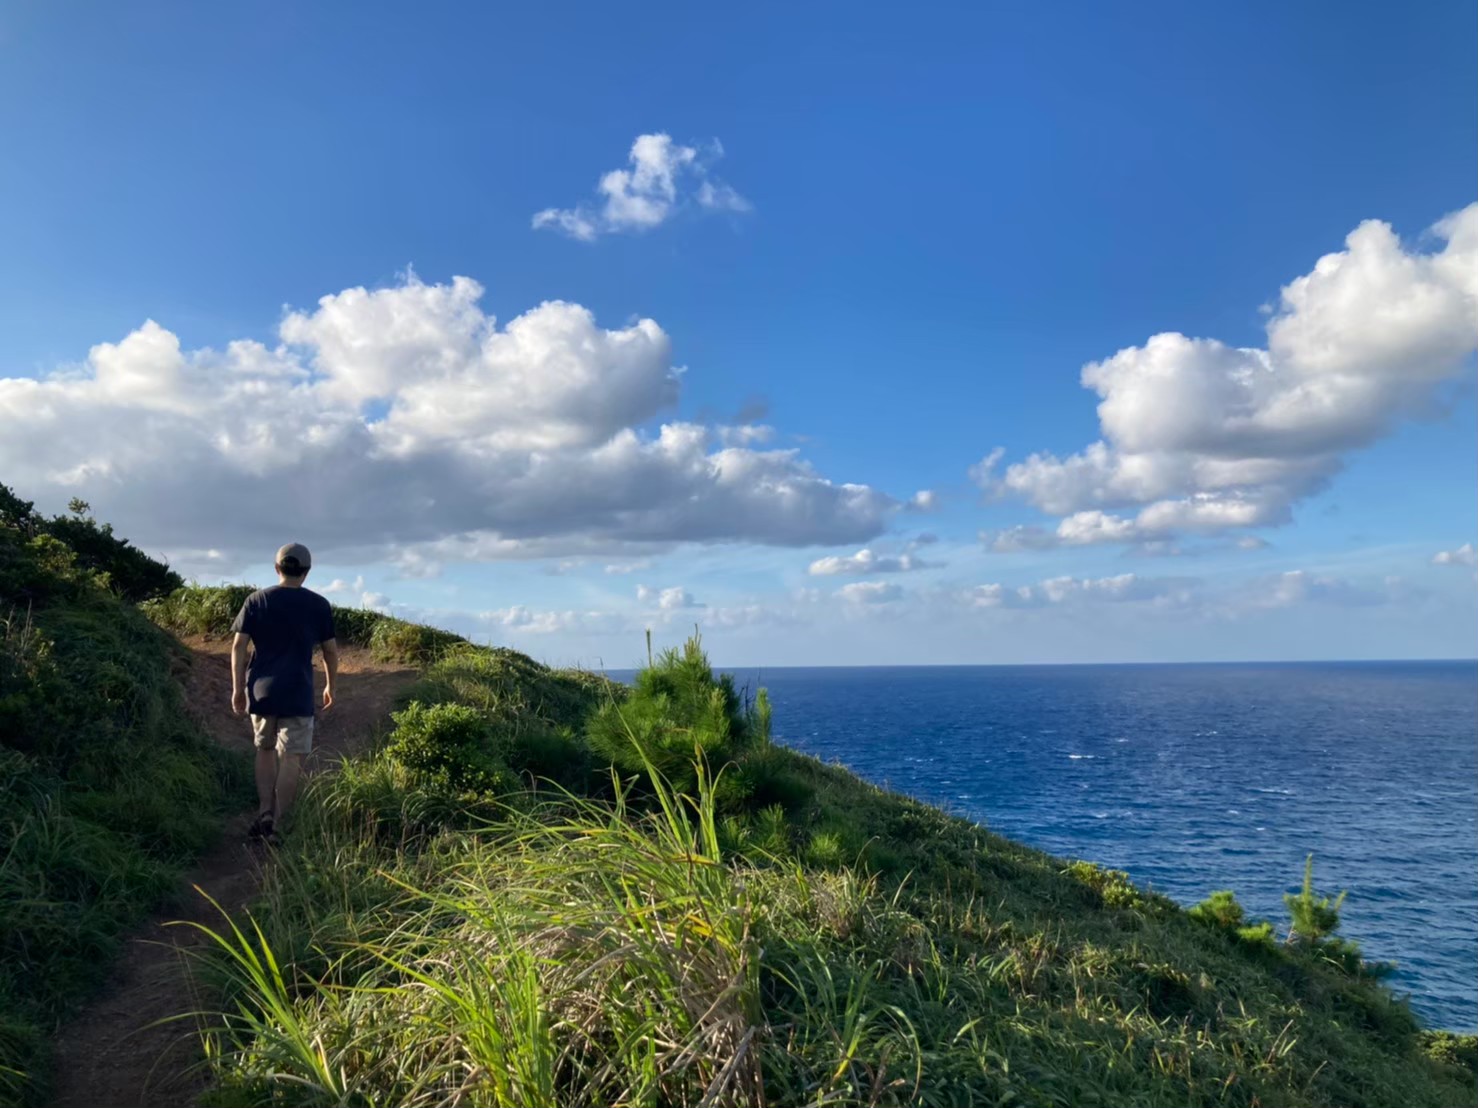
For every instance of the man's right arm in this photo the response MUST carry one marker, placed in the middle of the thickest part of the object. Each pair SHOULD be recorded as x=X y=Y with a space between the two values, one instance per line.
x=239 y=647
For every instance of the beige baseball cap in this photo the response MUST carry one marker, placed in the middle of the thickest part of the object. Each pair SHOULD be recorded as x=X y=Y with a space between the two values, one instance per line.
x=294 y=559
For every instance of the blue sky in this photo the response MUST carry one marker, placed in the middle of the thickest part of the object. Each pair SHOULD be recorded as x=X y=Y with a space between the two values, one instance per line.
x=893 y=240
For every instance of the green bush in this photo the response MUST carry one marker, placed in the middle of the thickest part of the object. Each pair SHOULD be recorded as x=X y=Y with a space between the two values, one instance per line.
x=91 y=549
x=1258 y=935
x=767 y=775
x=39 y=569
x=681 y=720
x=356 y=626
x=395 y=640
x=450 y=744
x=124 y=567
x=1112 y=886
x=1458 y=1051
x=1220 y=909
x=825 y=850
x=198 y=609
x=17 y=514
x=552 y=754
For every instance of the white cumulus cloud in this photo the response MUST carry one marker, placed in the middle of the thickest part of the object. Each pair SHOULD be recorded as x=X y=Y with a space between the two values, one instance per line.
x=1200 y=437
x=870 y=592
x=404 y=422
x=1464 y=555
x=866 y=561
x=660 y=176
x=669 y=599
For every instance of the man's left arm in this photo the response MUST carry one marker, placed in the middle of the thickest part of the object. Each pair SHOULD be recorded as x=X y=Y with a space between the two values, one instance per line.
x=330 y=648
x=329 y=644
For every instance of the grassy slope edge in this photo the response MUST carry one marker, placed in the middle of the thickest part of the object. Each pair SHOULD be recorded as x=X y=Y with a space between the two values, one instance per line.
x=106 y=789
x=533 y=893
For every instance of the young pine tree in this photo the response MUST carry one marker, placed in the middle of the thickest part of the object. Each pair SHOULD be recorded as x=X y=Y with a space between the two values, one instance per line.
x=1313 y=918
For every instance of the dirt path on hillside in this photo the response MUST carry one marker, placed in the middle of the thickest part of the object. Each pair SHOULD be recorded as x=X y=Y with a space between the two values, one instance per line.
x=115 y=1054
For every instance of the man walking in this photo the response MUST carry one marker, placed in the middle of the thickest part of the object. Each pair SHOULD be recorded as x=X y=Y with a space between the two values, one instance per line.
x=282 y=625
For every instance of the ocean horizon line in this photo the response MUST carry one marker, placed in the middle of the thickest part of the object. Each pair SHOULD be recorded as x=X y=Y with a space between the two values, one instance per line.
x=1082 y=665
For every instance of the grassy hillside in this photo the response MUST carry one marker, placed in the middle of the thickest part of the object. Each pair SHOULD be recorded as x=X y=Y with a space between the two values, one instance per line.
x=106 y=789
x=543 y=889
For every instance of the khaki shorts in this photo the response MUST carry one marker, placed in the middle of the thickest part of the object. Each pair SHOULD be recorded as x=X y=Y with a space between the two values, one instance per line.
x=289 y=734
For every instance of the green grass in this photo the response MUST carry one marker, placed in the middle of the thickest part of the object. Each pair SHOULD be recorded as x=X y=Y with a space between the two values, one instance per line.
x=210 y=610
x=775 y=930
x=106 y=789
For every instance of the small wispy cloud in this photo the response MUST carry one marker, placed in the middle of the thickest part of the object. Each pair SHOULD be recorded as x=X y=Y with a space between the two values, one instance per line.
x=1124 y=588
x=865 y=562
x=623 y=568
x=870 y=592
x=661 y=177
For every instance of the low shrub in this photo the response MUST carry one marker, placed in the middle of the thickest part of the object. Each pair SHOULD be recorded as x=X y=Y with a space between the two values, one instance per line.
x=395 y=640
x=356 y=626
x=1113 y=886
x=1457 y=1051
x=679 y=721
x=91 y=548
x=119 y=564
x=1259 y=935
x=451 y=744
x=767 y=775
x=198 y=609
x=1220 y=909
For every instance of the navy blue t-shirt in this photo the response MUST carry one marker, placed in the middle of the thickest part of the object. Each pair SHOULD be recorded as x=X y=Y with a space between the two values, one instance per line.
x=285 y=624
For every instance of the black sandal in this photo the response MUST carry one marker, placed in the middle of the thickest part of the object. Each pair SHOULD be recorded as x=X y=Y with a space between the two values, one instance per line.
x=261 y=827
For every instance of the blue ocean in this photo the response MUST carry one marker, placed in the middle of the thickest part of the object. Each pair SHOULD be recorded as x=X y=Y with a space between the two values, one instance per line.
x=1199 y=777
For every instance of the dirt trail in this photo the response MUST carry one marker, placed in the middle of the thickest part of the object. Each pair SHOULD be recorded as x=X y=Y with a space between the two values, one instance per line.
x=114 y=1054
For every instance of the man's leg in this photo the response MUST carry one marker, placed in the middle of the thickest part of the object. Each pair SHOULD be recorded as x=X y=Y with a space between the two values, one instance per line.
x=289 y=769
x=294 y=741
x=264 y=729
x=266 y=778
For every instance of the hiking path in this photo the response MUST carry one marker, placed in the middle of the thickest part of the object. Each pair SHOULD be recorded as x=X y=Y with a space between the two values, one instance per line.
x=116 y=1052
